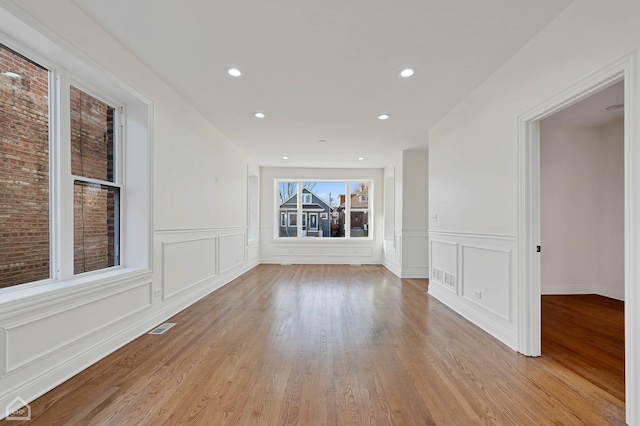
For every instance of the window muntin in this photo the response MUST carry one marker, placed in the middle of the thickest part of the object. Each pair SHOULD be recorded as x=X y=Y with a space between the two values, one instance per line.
x=329 y=209
x=25 y=228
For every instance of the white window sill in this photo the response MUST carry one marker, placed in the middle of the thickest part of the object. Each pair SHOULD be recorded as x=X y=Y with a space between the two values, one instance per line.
x=14 y=297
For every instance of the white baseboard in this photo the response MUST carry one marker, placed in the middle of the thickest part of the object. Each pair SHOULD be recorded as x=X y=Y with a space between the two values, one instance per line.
x=448 y=298
x=612 y=293
x=392 y=266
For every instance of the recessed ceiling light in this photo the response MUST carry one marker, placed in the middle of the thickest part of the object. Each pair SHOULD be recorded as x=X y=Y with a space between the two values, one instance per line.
x=322 y=141
x=360 y=158
x=407 y=72
x=258 y=115
x=614 y=107
x=285 y=158
x=11 y=74
x=234 y=72
x=383 y=116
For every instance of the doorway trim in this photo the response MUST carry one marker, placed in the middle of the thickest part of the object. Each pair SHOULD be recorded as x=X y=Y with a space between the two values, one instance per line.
x=529 y=285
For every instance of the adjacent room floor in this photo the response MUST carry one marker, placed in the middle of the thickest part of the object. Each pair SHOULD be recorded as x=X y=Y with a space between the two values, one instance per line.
x=327 y=345
x=585 y=334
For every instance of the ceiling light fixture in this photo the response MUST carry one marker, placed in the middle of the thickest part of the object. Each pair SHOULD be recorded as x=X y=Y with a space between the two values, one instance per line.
x=11 y=74
x=322 y=141
x=234 y=72
x=407 y=72
x=360 y=158
x=258 y=115
x=285 y=158
x=383 y=116
x=614 y=107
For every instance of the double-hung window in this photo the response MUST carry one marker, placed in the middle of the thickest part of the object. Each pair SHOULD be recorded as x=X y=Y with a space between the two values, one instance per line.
x=61 y=174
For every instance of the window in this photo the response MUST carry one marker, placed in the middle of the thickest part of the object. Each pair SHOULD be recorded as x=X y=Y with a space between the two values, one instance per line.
x=293 y=219
x=329 y=209
x=96 y=186
x=283 y=219
x=61 y=193
x=359 y=209
x=25 y=236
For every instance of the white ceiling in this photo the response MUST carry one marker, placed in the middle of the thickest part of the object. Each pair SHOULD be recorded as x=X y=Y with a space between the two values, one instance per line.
x=324 y=69
x=592 y=111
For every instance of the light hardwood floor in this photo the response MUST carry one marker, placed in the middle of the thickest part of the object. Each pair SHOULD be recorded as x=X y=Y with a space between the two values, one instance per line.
x=325 y=345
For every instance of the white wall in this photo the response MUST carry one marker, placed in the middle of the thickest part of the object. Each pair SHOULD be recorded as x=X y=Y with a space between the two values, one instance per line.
x=415 y=210
x=407 y=254
x=611 y=236
x=582 y=209
x=473 y=159
x=200 y=233
x=318 y=250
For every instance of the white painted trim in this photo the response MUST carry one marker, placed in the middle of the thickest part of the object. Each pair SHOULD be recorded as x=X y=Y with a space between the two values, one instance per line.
x=6 y=368
x=442 y=294
x=211 y=229
x=220 y=238
x=611 y=293
x=529 y=288
x=509 y=253
x=166 y=295
x=473 y=235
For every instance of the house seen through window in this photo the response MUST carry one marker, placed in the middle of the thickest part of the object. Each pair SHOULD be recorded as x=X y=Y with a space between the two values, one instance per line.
x=329 y=209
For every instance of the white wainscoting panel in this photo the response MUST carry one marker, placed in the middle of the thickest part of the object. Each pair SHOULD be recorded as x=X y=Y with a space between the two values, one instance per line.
x=475 y=275
x=391 y=253
x=444 y=260
x=415 y=253
x=68 y=325
x=232 y=251
x=186 y=263
x=486 y=279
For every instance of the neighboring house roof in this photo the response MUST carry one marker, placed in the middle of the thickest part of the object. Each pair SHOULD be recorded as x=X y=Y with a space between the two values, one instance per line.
x=326 y=205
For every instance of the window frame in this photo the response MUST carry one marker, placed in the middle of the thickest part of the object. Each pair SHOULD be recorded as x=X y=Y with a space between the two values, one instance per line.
x=347 y=209
x=73 y=68
x=118 y=165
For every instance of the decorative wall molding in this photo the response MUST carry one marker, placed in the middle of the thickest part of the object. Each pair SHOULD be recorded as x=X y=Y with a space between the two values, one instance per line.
x=231 y=251
x=474 y=275
x=33 y=385
x=199 y=230
x=473 y=235
x=169 y=267
x=415 y=253
x=490 y=273
x=40 y=324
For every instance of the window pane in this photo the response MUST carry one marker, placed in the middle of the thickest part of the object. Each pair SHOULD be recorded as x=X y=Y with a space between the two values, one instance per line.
x=359 y=215
x=288 y=201
x=96 y=233
x=325 y=216
x=24 y=170
x=91 y=137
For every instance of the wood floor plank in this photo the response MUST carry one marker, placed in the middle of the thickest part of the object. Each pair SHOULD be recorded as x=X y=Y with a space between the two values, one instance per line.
x=341 y=345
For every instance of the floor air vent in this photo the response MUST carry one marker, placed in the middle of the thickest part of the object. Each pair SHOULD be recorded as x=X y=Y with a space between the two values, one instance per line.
x=162 y=328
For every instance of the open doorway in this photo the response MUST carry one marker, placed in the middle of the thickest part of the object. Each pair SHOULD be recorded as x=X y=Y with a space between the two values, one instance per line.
x=582 y=238
x=529 y=256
